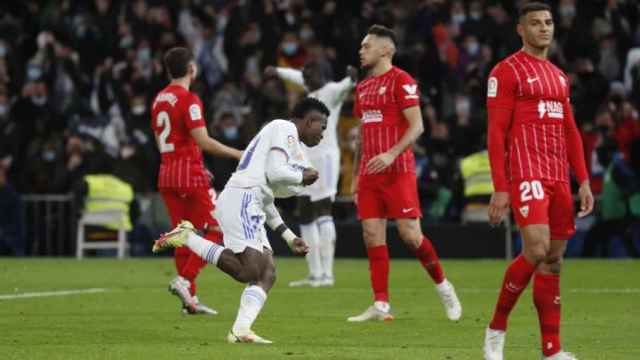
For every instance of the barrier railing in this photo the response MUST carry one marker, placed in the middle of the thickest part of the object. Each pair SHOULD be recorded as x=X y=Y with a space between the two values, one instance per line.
x=50 y=224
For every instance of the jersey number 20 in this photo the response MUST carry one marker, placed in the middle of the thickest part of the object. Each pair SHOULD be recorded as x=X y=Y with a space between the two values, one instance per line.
x=163 y=121
x=529 y=188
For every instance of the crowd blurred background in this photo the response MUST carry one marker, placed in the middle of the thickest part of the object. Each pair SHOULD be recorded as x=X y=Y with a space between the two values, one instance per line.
x=77 y=79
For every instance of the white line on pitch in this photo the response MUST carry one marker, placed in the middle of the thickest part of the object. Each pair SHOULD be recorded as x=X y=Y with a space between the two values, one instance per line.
x=606 y=291
x=577 y=290
x=50 y=293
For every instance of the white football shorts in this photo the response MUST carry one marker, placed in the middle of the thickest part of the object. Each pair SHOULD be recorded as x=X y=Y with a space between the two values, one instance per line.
x=240 y=213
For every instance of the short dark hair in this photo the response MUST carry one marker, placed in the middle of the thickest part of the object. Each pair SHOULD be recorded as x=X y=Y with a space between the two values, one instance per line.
x=176 y=61
x=383 y=31
x=532 y=6
x=307 y=104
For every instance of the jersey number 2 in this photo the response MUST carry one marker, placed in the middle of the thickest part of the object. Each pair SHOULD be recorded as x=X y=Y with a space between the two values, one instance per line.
x=531 y=190
x=163 y=121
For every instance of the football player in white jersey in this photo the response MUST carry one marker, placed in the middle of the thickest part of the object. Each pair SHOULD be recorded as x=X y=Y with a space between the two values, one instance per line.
x=317 y=226
x=274 y=165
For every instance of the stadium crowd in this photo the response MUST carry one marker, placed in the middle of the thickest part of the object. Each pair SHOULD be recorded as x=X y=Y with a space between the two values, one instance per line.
x=77 y=79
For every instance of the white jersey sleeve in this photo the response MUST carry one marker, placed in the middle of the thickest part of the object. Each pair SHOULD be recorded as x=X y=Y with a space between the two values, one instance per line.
x=273 y=216
x=280 y=171
x=337 y=92
x=293 y=75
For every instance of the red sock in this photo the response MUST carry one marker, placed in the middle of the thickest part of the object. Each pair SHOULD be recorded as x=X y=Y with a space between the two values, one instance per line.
x=546 y=297
x=515 y=281
x=429 y=260
x=195 y=263
x=379 y=270
x=180 y=257
x=191 y=269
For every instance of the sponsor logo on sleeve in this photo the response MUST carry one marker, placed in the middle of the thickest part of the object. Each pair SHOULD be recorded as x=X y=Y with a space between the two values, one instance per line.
x=492 y=87
x=411 y=91
x=291 y=141
x=195 y=112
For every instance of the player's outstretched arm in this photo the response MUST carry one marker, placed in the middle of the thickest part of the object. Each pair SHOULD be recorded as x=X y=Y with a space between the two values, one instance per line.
x=292 y=75
x=212 y=146
x=381 y=161
x=340 y=90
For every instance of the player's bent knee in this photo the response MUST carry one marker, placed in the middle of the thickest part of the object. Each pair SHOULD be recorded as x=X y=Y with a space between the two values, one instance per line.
x=553 y=264
x=535 y=255
x=373 y=236
x=410 y=234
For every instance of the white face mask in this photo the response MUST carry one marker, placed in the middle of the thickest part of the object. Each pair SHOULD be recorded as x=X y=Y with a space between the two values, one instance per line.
x=463 y=106
x=4 y=110
x=138 y=109
x=567 y=11
x=473 y=48
x=306 y=34
x=458 y=18
x=39 y=100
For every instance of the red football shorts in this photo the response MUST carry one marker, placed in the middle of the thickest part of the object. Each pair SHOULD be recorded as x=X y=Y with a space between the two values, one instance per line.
x=193 y=204
x=544 y=202
x=388 y=196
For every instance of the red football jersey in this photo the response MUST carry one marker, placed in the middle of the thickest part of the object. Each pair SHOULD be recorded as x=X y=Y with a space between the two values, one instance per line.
x=378 y=104
x=175 y=112
x=540 y=133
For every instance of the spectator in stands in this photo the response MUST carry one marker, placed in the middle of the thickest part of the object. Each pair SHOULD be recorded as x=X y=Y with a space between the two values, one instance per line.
x=55 y=80
x=620 y=205
x=589 y=89
x=227 y=129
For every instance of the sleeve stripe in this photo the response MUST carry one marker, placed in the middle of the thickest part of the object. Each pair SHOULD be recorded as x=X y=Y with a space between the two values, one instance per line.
x=277 y=148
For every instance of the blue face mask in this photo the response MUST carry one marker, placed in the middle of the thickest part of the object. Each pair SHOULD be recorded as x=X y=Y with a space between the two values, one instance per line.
x=290 y=48
x=144 y=54
x=473 y=48
x=48 y=155
x=34 y=72
x=230 y=133
x=3 y=51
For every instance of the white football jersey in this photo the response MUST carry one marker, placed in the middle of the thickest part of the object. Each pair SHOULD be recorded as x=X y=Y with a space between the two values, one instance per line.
x=278 y=135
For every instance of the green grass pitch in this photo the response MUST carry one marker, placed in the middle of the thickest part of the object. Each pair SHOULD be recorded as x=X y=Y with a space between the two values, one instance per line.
x=136 y=318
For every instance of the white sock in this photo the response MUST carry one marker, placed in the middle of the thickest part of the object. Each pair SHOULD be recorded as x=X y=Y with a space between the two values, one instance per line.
x=327 y=230
x=251 y=302
x=207 y=250
x=309 y=233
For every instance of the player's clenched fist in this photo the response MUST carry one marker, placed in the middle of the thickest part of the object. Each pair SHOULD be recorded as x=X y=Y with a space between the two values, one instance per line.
x=309 y=176
x=299 y=247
